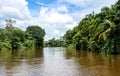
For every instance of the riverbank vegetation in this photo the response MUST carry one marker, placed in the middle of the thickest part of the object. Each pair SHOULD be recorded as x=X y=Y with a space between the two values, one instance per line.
x=13 y=37
x=97 y=32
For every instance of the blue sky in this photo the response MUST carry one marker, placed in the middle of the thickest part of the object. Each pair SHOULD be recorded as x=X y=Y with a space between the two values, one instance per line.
x=55 y=16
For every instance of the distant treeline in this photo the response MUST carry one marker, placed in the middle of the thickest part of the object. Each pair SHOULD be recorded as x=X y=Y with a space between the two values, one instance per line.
x=97 y=32
x=12 y=37
x=54 y=43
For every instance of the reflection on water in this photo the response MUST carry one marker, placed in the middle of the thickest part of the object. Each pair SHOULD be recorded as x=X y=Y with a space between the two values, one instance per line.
x=57 y=62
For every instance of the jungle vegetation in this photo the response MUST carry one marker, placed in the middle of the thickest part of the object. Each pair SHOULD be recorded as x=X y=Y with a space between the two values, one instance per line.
x=97 y=32
x=13 y=37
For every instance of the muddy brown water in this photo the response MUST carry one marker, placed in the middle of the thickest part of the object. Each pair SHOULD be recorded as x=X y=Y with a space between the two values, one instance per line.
x=57 y=61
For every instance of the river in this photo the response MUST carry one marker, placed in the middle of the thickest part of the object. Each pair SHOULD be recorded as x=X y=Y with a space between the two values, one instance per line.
x=57 y=61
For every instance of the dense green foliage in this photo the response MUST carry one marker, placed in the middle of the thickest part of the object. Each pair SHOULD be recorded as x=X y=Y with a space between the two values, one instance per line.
x=54 y=43
x=12 y=37
x=37 y=33
x=98 y=32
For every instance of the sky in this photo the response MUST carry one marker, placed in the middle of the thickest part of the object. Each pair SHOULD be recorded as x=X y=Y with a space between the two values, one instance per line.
x=55 y=16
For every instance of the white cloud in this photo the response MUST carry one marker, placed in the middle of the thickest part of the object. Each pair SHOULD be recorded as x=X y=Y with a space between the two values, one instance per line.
x=2 y=23
x=9 y=11
x=62 y=9
x=54 y=21
x=70 y=26
x=56 y=31
x=52 y=15
x=16 y=9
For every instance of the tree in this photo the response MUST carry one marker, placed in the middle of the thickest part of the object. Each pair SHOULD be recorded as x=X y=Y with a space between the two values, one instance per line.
x=9 y=24
x=37 y=33
x=18 y=38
